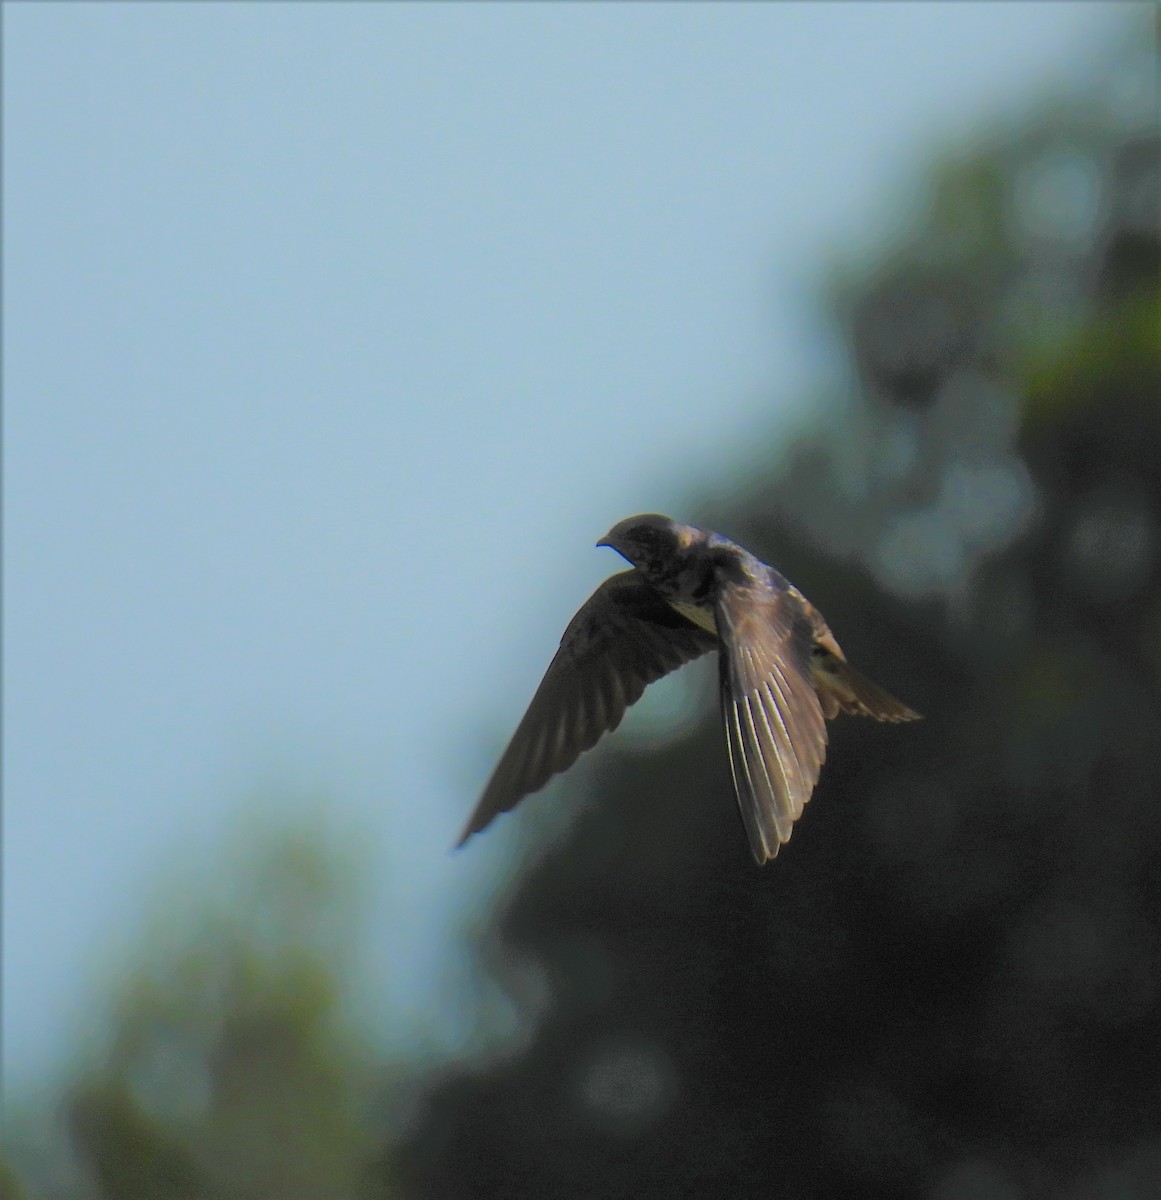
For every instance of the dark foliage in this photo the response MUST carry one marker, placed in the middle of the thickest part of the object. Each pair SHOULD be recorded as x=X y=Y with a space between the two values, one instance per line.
x=949 y=983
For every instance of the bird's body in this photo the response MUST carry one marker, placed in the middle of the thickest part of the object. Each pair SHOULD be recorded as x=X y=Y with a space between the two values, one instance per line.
x=782 y=674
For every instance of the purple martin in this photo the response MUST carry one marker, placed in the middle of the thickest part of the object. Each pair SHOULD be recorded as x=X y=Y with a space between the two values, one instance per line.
x=782 y=674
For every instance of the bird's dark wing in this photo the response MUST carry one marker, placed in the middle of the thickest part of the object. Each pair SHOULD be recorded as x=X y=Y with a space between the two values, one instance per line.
x=623 y=638
x=774 y=724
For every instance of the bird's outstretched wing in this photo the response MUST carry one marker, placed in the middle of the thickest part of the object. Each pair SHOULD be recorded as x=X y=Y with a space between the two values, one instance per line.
x=623 y=638
x=774 y=723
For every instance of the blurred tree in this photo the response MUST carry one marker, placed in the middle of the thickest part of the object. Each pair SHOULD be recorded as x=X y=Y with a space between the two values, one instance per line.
x=10 y=1188
x=949 y=983
x=231 y=1073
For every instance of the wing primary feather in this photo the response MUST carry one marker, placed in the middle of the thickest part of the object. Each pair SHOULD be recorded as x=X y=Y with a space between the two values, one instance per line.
x=778 y=809
x=746 y=792
x=778 y=744
x=780 y=704
x=623 y=638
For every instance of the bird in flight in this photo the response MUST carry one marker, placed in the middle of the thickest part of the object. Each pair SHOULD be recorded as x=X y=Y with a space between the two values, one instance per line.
x=781 y=673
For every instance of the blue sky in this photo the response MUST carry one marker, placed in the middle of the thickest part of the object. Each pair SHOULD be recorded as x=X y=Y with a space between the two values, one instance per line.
x=335 y=336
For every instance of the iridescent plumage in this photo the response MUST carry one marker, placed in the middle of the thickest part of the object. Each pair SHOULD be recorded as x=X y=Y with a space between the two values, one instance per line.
x=782 y=674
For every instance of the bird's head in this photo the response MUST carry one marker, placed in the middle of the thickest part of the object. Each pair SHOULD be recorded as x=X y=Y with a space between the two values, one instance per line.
x=650 y=541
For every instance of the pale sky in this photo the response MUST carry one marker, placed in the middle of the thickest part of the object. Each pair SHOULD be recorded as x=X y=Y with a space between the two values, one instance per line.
x=334 y=337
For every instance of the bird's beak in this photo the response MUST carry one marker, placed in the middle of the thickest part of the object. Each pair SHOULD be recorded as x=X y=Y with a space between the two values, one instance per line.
x=615 y=540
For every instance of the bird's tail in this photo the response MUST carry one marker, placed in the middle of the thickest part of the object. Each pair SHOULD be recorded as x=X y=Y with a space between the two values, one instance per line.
x=844 y=688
